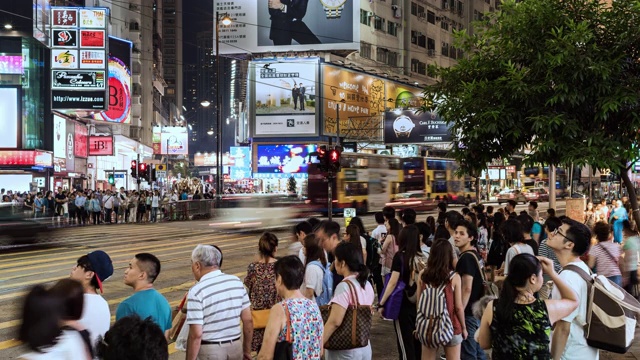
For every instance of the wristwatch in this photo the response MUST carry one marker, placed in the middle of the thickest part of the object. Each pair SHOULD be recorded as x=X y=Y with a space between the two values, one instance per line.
x=333 y=8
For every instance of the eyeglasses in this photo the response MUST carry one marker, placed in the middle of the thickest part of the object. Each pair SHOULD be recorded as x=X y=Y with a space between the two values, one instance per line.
x=557 y=232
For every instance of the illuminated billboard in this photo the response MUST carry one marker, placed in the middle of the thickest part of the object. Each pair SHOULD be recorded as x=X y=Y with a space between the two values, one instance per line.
x=119 y=83
x=410 y=127
x=261 y=26
x=9 y=117
x=285 y=98
x=284 y=159
x=170 y=140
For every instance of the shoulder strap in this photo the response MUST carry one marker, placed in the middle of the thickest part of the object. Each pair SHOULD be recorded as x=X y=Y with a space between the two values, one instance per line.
x=517 y=249
x=352 y=289
x=286 y=313
x=583 y=274
x=617 y=261
x=470 y=252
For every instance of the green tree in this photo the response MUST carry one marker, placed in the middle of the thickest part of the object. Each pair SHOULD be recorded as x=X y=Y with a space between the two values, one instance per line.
x=291 y=185
x=559 y=79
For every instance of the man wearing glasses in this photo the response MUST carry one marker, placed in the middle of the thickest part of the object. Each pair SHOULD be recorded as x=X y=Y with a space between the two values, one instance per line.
x=570 y=241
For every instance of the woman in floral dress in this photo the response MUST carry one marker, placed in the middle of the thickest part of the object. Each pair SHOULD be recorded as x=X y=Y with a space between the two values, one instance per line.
x=261 y=282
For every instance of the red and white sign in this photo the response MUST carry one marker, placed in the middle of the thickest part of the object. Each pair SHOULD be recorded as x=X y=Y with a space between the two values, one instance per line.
x=81 y=138
x=100 y=145
x=92 y=38
x=92 y=59
x=26 y=158
x=64 y=17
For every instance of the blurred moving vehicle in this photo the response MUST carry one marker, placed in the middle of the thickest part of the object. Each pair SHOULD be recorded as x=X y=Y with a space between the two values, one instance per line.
x=515 y=195
x=258 y=212
x=18 y=227
x=416 y=200
x=537 y=194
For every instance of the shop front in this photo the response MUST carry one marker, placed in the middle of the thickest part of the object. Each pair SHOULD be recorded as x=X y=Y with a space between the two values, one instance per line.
x=25 y=170
x=112 y=154
x=282 y=167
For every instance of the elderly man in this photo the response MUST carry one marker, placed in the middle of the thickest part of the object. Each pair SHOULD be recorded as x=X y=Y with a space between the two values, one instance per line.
x=214 y=307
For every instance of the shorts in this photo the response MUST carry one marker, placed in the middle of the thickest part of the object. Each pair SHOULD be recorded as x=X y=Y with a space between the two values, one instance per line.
x=455 y=341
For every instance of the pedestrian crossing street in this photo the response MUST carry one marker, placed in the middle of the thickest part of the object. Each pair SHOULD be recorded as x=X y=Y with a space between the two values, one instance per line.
x=172 y=243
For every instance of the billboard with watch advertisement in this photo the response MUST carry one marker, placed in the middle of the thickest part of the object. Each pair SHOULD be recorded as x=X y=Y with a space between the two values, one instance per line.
x=273 y=26
x=284 y=93
x=410 y=127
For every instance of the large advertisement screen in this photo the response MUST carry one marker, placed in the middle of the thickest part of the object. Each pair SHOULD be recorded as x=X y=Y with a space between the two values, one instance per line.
x=59 y=143
x=9 y=117
x=81 y=140
x=269 y=26
x=409 y=127
x=119 y=83
x=285 y=98
x=287 y=159
x=240 y=159
x=171 y=140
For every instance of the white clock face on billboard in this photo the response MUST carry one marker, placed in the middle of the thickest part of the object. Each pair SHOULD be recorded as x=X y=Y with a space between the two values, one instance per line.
x=333 y=3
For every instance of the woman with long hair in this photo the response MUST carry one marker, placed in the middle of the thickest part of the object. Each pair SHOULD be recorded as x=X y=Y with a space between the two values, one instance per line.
x=261 y=282
x=517 y=325
x=390 y=245
x=349 y=263
x=498 y=246
x=295 y=311
x=440 y=270
x=431 y=221
x=315 y=266
x=401 y=270
x=352 y=234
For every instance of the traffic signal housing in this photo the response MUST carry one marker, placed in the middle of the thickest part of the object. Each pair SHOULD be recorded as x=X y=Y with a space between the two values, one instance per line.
x=112 y=179
x=333 y=159
x=134 y=169
x=143 y=170
x=322 y=158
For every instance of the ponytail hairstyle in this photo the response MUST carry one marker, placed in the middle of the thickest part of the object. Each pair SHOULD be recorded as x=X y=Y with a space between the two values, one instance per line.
x=521 y=268
x=351 y=254
x=267 y=245
x=354 y=233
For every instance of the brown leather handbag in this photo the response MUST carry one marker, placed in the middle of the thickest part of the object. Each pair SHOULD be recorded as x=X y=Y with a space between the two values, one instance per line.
x=355 y=330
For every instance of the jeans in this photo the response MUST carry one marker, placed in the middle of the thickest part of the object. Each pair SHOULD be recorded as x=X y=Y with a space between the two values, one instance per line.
x=616 y=279
x=107 y=215
x=154 y=214
x=470 y=348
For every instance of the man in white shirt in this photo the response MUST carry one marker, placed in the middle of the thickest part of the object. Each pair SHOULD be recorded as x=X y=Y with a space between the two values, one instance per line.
x=92 y=270
x=380 y=232
x=109 y=200
x=569 y=242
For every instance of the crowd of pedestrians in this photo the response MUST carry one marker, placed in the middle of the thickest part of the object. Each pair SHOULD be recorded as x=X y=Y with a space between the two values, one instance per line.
x=300 y=299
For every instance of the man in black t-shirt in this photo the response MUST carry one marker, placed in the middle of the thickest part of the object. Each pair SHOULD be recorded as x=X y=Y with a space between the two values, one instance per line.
x=468 y=267
x=60 y=199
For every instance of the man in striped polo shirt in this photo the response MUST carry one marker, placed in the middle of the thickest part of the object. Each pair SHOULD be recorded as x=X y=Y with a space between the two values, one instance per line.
x=214 y=307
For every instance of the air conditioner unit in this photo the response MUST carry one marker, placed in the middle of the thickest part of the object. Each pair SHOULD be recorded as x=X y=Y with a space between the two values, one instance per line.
x=438 y=18
x=422 y=15
x=414 y=40
x=431 y=52
x=446 y=5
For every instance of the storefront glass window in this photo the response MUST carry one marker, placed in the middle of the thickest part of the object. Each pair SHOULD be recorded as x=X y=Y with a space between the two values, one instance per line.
x=33 y=93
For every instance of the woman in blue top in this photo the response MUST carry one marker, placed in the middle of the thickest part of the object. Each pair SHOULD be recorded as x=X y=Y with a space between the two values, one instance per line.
x=618 y=215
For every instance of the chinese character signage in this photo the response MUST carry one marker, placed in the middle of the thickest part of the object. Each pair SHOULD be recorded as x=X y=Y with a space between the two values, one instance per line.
x=316 y=25
x=285 y=98
x=409 y=127
x=78 y=42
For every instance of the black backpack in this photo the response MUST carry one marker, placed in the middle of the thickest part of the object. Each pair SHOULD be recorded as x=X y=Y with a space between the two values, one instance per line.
x=373 y=258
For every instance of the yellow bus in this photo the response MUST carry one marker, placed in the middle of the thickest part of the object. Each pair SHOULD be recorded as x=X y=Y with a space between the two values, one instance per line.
x=366 y=182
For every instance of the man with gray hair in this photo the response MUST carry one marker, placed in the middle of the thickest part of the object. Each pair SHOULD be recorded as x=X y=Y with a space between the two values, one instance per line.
x=214 y=307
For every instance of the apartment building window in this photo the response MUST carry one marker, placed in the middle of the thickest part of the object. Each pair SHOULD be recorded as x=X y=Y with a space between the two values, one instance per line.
x=414 y=65
x=365 y=18
x=445 y=4
x=421 y=11
x=422 y=68
x=134 y=26
x=453 y=52
x=431 y=17
x=422 y=40
x=444 y=25
x=498 y=4
x=365 y=50
x=392 y=58
x=460 y=7
x=460 y=53
x=414 y=37
x=381 y=55
x=414 y=9
x=445 y=49
x=392 y=28
x=431 y=44
x=378 y=23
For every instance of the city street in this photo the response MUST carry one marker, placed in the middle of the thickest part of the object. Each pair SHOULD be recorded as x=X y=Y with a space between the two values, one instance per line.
x=171 y=242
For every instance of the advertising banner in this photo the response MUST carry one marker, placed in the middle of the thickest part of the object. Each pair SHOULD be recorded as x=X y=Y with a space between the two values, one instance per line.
x=11 y=64
x=26 y=158
x=403 y=96
x=316 y=25
x=70 y=146
x=407 y=127
x=119 y=83
x=59 y=143
x=171 y=140
x=405 y=150
x=81 y=140
x=77 y=79
x=285 y=98
x=240 y=161
x=100 y=145
x=67 y=99
x=9 y=117
x=286 y=159
x=78 y=42
x=364 y=102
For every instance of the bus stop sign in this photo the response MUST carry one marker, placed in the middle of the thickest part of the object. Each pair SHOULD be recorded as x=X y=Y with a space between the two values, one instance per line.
x=349 y=213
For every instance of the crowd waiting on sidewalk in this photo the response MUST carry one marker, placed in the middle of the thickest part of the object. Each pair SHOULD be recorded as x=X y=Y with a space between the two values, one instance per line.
x=84 y=207
x=476 y=284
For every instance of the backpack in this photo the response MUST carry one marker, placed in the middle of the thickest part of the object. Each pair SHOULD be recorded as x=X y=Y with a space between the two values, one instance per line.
x=418 y=264
x=611 y=313
x=327 y=284
x=373 y=258
x=433 y=323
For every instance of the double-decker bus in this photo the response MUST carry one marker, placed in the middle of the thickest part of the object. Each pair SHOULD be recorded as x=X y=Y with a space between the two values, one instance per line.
x=366 y=182
x=442 y=183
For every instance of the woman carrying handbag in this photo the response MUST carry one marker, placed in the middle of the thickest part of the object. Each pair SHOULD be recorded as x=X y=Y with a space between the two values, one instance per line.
x=351 y=302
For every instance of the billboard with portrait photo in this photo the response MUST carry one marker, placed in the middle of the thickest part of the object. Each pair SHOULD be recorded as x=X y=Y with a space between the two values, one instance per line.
x=273 y=26
x=284 y=98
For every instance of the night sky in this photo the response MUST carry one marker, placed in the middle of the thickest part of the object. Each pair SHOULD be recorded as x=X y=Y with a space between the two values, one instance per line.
x=198 y=16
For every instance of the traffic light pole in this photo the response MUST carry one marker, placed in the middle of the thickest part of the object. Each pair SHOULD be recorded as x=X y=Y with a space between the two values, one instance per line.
x=330 y=178
x=138 y=177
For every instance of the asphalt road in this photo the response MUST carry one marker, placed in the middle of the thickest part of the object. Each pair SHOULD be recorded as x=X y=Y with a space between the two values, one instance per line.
x=20 y=269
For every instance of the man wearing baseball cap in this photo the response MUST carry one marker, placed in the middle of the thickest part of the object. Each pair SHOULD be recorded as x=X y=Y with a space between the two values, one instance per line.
x=92 y=270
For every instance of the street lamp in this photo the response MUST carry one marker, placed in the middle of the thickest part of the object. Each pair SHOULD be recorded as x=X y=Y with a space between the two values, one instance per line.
x=205 y=103
x=225 y=20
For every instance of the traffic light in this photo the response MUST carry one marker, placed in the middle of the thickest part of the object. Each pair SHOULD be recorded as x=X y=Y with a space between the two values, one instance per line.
x=333 y=159
x=112 y=179
x=134 y=169
x=322 y=158
x=153 y=174
x=142 y=171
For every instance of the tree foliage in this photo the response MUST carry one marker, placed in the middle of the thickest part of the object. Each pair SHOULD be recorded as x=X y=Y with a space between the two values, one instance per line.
x=559 y=79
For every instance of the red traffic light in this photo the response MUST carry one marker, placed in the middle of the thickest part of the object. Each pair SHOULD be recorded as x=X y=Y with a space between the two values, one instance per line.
x=143 y=166
x=134 y=163
x=334 y=156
